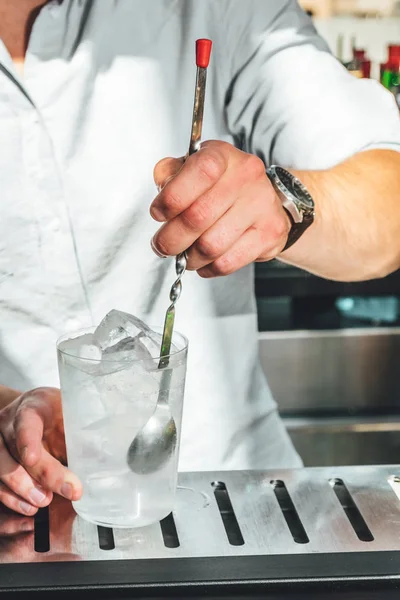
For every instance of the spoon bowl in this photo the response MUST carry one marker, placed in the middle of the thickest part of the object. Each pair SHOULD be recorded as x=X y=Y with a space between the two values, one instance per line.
x=155 y=444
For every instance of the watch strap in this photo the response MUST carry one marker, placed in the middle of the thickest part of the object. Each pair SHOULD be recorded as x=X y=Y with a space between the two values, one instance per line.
x=297 y=229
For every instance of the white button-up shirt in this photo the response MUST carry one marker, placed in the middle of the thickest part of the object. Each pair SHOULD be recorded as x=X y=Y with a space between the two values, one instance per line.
x=107 y=91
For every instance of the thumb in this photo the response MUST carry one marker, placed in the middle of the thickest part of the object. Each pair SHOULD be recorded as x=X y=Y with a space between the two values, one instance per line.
x=165 y=170
x=29 y=425
x=38 y=409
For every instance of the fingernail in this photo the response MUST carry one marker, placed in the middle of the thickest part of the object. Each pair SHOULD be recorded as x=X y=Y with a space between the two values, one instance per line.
x=66 y=490
x=26 y=508
x=37 y=495
x=157 y=214
x=153 y=247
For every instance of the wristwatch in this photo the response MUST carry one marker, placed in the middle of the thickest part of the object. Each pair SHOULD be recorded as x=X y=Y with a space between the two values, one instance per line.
x=296 y=200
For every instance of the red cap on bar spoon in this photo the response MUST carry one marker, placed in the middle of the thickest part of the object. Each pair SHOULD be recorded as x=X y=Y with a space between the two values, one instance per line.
x=203 y=53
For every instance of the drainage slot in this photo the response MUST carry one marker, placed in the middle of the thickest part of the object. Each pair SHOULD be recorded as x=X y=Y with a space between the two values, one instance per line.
x=106 y=538
x=353 y=514
x=228 y=516
x=41 y=530
x=169 y=533
x=289 y=512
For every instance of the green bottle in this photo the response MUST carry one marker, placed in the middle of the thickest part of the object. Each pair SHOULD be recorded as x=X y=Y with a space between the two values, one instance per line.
x=390 y=79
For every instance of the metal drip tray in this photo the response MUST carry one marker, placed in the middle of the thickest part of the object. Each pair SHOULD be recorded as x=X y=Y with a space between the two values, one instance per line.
x=226 y=527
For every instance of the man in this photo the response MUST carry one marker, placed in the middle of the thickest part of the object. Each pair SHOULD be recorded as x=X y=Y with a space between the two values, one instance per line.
x=92 y=94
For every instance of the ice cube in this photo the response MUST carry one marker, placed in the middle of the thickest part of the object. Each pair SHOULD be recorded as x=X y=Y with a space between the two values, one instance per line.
x=123 y=337
x=82 y=353
x=82 y=346
x=130 y=393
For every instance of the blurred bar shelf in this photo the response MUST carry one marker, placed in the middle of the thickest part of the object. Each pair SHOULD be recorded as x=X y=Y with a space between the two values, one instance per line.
x=273 y=280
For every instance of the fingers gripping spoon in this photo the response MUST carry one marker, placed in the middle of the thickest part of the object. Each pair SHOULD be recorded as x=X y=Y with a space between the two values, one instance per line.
x=155 y=443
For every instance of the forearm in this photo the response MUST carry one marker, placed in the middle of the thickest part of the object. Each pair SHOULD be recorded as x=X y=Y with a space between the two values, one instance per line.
x=356 y=234
x=7 y=395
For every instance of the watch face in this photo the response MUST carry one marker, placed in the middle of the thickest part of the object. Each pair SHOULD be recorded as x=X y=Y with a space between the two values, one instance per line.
x=295 y=187
x=302 y=195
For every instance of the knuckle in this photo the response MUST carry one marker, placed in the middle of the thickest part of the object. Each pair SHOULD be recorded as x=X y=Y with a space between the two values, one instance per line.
x=222 y=267
x=211 y=164
x=209 y=246
x=278 y=231
x=171 y=200
x=195 y=217
x=254 y=167
x=44 y=474
x=268 y=235
x=14 y=481
x=266 y=246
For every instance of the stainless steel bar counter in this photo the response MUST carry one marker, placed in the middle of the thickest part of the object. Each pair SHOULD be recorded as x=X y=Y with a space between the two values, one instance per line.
x=311 y=533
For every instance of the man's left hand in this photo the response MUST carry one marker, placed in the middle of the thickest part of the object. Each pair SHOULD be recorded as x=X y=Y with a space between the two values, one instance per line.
x=220 y=206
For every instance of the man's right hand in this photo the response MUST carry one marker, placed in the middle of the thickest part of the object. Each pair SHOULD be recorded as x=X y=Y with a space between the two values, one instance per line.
x=32 y=450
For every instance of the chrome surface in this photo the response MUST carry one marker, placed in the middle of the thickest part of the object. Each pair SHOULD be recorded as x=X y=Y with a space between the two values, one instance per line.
x=198 y=110
x=345 y=441
x=350 y=370
x=375 y=491
x=154 y=445
x=174 y=295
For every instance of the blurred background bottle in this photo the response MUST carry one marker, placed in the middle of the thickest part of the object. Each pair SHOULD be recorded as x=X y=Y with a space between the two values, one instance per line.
x=361 y=58
x=390 y=71
x=360 y=64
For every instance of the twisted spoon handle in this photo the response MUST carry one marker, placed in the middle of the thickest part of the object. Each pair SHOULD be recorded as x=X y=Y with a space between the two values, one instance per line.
x=203 y=52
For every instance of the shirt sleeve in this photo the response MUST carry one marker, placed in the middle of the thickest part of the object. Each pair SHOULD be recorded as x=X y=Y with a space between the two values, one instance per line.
x=290 y=101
